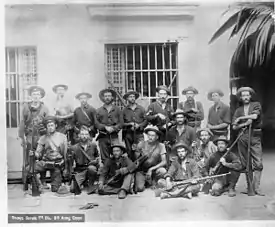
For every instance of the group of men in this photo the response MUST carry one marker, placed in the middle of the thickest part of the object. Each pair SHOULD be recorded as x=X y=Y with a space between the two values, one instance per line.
x=176 y=148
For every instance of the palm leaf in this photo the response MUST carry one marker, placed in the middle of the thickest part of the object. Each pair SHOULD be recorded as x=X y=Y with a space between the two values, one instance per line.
x=227 y=25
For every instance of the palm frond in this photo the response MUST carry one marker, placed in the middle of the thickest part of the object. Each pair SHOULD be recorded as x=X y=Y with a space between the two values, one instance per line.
x=227 y=25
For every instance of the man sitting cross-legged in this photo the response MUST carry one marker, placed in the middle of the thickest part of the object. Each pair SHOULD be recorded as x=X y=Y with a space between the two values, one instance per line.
x=120 y=168
x=86 y=157
x=182 y=168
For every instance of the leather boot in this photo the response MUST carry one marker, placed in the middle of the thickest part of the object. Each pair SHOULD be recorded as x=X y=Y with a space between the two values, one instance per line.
x=122 y=194
x=256 y=182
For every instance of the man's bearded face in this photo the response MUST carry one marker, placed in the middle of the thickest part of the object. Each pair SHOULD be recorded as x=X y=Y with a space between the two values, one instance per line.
x=216 y=97
x=84 y=135
x=83 y=100
x=205 y=137
x=152 y=136
x=162 y=94
x=180 y=119
x=221 y=146
x=60 y=91
x=131 y=99
x=108 y=98
x=117 y=152
x=182 y=153
x=245 y=97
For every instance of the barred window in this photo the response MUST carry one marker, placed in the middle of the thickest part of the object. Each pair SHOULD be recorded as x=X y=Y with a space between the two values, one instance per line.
x=143 y=67
x=21 y=72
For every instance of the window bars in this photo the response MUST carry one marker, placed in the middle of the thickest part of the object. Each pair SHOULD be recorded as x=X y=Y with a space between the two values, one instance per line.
x=143 y=67
x=21 y=72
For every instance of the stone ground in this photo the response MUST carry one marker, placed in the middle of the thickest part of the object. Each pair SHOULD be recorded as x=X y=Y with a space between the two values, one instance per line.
x=146 y=207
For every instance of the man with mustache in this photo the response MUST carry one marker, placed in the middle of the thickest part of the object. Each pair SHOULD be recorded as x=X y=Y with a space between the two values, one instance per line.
x=250 y=113
x=31 y=127
x=193 y=108
x=84 y=115
x=205 y=149
x=219 y=116
x=134 y=122
x=86 y=157
x=160 y=112
x=230 y=163
x=181 y=132
x=154 y=167
x=109 y=122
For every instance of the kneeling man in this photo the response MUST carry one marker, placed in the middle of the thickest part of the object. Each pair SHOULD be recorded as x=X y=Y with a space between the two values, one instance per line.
x=120 y=169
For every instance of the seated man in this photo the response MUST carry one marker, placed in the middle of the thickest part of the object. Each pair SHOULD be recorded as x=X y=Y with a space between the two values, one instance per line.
x=154 y=167
x=229 y=163
x=51 y=152
x=86 y=157
x=182 y=168
x=119 y=168
x=205 y=148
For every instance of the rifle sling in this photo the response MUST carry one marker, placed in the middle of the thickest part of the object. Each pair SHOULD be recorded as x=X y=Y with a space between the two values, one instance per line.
x=85 y=154
x=86 y=115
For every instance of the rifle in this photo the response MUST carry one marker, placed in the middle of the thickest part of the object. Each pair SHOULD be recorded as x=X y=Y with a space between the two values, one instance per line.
x=216 y=168
x=187 y=183
x=24 y=169
x=117 y=93
x=249 y=173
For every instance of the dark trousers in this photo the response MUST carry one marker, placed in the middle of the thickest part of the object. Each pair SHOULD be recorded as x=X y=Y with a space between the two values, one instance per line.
x=123 y=183
x=255 y=151
x=105 y=146
x=228 y=181
x=131 y=141
x=56 y=176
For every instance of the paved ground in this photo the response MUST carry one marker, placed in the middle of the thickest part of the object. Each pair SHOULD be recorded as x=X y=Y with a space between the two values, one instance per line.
x=146 y=207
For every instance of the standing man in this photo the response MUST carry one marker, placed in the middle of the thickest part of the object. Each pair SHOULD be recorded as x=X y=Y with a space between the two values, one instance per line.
x=193 y=108
x=181 y=132
x=160 y=112
x=250 y=113
x=154 y=166
x=120 y=168
x=84 y=115
x=219 y=117
x=134 y=122
x=63 y=111
x=51 y=153
x=86 y=157
x=109 y=122
x=33 y=114
x=230 y=163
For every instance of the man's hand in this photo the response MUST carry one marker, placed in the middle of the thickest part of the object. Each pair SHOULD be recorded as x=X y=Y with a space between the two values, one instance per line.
x=161 y=116
x=109 y=129
x=194 y=181
x=194 y=144
x=66 y=173
x=118 y=172
x=31 y=153
x=236 y=121
x=169 y=185
x=223 y=162
x=209 y=126
x=211 y=171
x=249 y=122
x=100 y=186
x=149 y=174
x=194 y=110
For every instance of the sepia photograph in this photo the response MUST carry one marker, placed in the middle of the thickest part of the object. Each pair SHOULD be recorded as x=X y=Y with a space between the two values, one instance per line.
x=139 y=111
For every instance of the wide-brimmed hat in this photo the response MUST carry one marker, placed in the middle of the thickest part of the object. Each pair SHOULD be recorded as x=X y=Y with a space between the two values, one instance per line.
x=49 y=119
x=221 y=138
x=60 y=85
x=102 y=92
x=240 y=90
x=131 y=92
x=181 y=144
x=35 y=88
x=88 y=95
x=204 y=129
x=120 y=145
x=190 y=88
x=214 y=90
x=152 y=128
x=179 y=111
x=163 y=87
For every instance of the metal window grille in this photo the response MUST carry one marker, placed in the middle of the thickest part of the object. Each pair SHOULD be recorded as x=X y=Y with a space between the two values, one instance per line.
x=21 y=72
x=143 y=67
